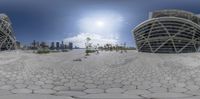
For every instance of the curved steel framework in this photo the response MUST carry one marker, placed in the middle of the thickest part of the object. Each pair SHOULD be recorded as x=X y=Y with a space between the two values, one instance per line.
x=168 y=34
x=7 y=39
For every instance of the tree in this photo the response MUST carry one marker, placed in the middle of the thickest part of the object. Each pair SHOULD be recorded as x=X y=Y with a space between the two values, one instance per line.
x=87 y=45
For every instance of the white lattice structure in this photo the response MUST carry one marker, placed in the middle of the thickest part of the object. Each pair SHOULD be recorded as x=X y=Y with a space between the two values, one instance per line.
x=7 y=39
x=169 y=31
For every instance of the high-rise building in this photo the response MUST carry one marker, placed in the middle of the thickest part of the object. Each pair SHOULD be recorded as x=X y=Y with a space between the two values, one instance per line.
x=43 y=45
x=7 y=39
x=62 y=45
x=52 y=46
x=34 y=45
x=70 y=45
x=57 y=45
x=65 y=46
x=169 y=31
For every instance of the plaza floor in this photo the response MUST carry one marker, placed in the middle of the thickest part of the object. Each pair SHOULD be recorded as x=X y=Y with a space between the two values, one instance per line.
x=108 y=75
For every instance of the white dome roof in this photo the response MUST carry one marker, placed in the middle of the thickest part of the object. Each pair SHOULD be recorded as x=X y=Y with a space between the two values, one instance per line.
x=4 y=17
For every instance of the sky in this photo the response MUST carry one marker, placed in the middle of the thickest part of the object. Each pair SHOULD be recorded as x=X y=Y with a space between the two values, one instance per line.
x=104 y=21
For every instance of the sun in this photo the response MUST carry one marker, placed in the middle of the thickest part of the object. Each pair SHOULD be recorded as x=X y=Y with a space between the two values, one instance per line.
x=100 y=23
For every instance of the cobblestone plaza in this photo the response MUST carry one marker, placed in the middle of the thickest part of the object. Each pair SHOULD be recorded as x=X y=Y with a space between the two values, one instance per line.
x=109 y=75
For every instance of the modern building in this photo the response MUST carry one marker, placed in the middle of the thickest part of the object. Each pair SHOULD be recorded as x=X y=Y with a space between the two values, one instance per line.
x=70 y=45
x=52 y=46
x=34 y=46
x=57 y=45
x=44 y=45
x=169 y=31
x=62 y=45
x=7 y=39
x=65 y=46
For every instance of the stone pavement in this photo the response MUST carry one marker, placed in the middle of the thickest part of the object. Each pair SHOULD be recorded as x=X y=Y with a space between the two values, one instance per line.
x=109 y=75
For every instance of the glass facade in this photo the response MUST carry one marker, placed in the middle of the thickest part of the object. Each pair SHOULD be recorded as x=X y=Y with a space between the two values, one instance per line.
x=169 y=31
x=7 y=39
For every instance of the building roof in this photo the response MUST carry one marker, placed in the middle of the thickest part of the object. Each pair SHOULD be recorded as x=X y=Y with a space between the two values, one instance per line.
x=176 y=13
x=4 y=17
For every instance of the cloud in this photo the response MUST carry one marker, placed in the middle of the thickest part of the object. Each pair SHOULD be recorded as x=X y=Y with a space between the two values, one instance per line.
x=80 y=39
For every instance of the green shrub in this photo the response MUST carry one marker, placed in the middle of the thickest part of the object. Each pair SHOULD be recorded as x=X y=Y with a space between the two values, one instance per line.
x=43 y=51
x=89 y=51
x=64 y=50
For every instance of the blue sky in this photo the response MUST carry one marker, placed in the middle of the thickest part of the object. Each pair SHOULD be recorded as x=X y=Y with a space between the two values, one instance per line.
x=109 y=20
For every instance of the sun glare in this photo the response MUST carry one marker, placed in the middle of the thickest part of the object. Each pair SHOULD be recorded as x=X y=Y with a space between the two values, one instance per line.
x=106 y=24
x=99 y=23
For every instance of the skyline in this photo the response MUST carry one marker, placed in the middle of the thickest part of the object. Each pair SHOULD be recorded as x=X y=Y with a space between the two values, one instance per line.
x=72 y=20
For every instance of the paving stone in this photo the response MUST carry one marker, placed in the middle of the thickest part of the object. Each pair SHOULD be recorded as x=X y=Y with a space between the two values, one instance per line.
x=61 y=88
x=116 y=85
x=39 y=83
x=94 y=91
x=137 y=92
x=104 y=86
x=4 y=92
x=64 y=80
x=32 y=96
x=80 y=84
x=193 y=97
x=71 y=93
x=180 y=85
x=108 y=82
x=81 y=79
x=194 y=92
x=129 y=87
x=34 y=87
x=143 y=87
x=58 y=83
x=2 y=83
x=44 y=91
x=7 y=87
x=158 y=89
x=10 y=83
x=69 y=84
x=19 y=81
x=109 y=96
x=192 y=87
x=136 y=83
x=22 y=91
x=178 y=89
x=49 y=81
x=165 y=95
x=20 y=85
x=47 y=86
x=28 y=82
x=114 y=90
x=77 y=88
x=155 y=84
x=89 y=86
